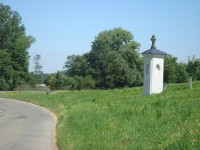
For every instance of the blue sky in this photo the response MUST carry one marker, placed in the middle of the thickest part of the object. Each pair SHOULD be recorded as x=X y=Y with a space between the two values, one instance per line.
x=66 y=27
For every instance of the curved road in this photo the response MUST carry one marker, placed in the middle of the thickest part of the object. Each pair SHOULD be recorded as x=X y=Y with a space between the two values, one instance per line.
x=24 y=126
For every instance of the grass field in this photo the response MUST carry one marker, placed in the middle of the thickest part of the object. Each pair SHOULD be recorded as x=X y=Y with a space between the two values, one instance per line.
x=123 y=119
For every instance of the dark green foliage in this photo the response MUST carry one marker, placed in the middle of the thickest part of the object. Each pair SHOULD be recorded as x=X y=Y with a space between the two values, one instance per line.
x=77 y=65
x=6 y=70
x=55 y=81
x=193 y=68
x=174 y=72
x=113 y=62
x=170 y=69
x=118 y=73
x=112 y=67
x=13 y=45
x=59 y=81
x=181 y=73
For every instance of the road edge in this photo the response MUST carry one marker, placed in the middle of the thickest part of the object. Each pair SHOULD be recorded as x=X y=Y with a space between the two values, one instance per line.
x=54 y=135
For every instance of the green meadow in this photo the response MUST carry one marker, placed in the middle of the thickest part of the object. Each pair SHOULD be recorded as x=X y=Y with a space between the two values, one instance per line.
x=123 y=119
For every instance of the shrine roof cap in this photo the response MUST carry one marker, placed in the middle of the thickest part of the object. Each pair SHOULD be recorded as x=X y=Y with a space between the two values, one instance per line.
x=153 y=49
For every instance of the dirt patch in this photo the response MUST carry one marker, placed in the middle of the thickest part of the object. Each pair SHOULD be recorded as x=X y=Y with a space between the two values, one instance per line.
x=55 y=147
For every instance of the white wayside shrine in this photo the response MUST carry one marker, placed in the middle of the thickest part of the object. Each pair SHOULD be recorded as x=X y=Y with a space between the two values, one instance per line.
x=153 y=69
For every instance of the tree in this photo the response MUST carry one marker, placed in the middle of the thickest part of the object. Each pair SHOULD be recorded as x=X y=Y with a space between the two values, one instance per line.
x=79 y=82
x=77 y=65
x=113 y=62
x=6 y=70
x=51 y=81
x=170 y=67
x=14 y=41
x=37 y=68
x=174 y=72
x=135 y=62
x=56 y=81
x=116 y=42
x=193 y=68
x=89 y=83
x=59 y=80
x=118 y=73
x=181 y=73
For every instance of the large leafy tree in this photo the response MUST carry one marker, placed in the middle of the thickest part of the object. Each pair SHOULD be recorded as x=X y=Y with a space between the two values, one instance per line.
x=113 y=62
x=115 y=59
x=14 y=44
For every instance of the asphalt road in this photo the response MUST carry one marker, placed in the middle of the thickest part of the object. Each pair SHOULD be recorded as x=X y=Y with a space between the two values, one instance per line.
x=24 y=126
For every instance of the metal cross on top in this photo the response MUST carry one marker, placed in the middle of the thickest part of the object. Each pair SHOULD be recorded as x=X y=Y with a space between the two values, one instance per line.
x=153 y=39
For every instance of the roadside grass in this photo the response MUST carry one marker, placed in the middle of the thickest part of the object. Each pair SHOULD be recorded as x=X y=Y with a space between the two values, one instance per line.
x=123 y=119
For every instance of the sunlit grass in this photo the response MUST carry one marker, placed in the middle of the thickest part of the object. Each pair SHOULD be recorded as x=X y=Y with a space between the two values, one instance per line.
x=123 y=118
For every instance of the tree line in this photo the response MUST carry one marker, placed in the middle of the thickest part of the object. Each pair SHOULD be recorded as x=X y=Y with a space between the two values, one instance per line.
x=14 y=58
x=114 y=61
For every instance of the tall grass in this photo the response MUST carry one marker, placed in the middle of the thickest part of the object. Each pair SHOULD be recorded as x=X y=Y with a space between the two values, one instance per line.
x=123 y=118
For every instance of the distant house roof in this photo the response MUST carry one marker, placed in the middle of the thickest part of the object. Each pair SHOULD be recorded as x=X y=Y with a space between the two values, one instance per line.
x=153 y=49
